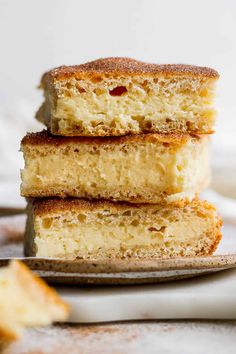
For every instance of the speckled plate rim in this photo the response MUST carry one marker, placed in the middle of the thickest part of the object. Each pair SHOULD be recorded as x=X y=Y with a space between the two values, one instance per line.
x=100 y=267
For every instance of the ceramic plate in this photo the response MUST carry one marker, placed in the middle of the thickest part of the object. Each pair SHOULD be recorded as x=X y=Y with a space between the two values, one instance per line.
x=114 y=272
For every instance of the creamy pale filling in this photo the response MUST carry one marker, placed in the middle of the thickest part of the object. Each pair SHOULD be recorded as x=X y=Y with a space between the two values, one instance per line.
x=146 y=168
x=71 y=238
x=132 y=110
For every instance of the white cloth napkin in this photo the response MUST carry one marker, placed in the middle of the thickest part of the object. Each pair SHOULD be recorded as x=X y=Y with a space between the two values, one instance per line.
x=10 y=196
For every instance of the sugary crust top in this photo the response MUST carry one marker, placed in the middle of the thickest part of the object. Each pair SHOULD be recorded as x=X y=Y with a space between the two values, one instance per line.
x=45 y=138
x=48 y=206
x=118 y=66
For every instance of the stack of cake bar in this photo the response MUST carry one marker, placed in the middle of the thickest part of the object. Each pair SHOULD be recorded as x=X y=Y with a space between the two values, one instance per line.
x=118 y=171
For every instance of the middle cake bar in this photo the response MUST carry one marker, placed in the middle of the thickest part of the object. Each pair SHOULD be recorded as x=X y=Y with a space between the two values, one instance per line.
x=150 y=168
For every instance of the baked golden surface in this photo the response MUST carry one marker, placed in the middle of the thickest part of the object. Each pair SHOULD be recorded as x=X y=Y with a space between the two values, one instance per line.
x=125 y=66
x=118 y=96
x=26 y=301
x=75 y=228
x=151 y=168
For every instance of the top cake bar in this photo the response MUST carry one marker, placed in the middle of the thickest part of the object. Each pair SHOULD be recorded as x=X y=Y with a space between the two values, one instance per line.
x=119 y=96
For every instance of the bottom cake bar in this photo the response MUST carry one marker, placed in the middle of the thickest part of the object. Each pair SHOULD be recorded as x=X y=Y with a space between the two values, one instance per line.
x=75 y=228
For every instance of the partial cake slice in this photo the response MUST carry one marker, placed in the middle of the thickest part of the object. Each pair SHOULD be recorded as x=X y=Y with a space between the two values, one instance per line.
x=26 y=301
x=75 y=228
x=149 y=168
x=118 y=96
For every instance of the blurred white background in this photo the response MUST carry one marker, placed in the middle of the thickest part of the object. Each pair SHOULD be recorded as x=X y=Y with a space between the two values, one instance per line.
x=38 y=35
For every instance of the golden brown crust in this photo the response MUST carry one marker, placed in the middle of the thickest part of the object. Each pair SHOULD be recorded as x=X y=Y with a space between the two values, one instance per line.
x=218 y=236
x=117 y=66
x=6 y=337
x=45 y=206
x=159 y=198
x=45 y=138
x=127 y=132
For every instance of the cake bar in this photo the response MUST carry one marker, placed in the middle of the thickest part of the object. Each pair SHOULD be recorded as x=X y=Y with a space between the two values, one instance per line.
x=76 y=228
x=147 y=168
x=119 y=96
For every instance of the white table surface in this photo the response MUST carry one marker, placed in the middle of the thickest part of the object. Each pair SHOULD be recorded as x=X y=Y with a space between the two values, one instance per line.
x=163 y=337
x=206 y=297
